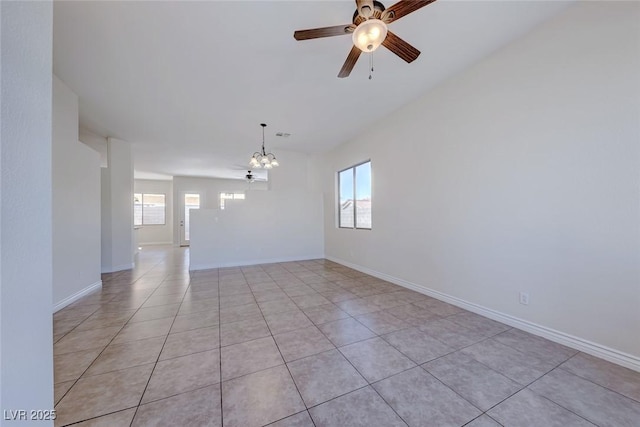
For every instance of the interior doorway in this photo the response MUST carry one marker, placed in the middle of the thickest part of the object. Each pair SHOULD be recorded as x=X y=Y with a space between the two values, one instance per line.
x=188 y=201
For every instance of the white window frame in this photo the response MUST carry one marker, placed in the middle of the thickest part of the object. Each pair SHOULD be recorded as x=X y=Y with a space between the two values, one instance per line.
x=142 y=223
x=338 y=205
x=228 y=195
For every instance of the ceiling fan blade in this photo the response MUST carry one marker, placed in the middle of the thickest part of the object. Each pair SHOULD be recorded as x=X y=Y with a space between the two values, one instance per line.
x=400 y=47
x=403 y=8
x=316 y=33
x=348 y=65
x=365 y=8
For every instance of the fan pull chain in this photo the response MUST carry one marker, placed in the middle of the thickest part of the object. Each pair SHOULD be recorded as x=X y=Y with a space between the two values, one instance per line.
x=371 y=65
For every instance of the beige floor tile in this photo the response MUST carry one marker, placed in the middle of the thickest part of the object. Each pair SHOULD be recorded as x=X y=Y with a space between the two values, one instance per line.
x=346 y=331
x=75 y=312
x=478 y=323
x=595 y=403
x=70 y=366
x=64 y=326
x=417 y=345
x=301 y=419
x=375 y=359
x=260 y=398
x=153 y=313
x=528 y=408
x=483 y=421
x=157 y=300
x=59 y=390
x=614 y=377
x=417 y=396
x=193 y=341
x=541 y=348
x=286 y=322
x=103 y=319
x=325 y=313
x=239 y=312
x=190 y=306
x=324 y=376
x=199 y=407
x=102 y=394
x=302 y=343
x=126 y=355
x=85 y=340
x=188 y=322
x=520 y=367
x=452 y=334
x=248 y=357
x=299 y=312
x=480 y=385
x=382 y=322
x=121 y=418
x=360 y=408
x=143 y=330
x=243 y=330
x=186 y=373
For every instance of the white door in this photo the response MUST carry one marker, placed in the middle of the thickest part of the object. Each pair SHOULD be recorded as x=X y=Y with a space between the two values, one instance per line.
x=189 y=201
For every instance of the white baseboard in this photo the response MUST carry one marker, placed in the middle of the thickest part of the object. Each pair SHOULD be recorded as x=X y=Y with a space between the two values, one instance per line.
x=252 y=262
x=154 y=243
x=612 y=355
x=75 y=297
x=118 y=268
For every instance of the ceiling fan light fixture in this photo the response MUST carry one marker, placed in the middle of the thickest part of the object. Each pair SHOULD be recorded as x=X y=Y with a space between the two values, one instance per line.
x=369 y=35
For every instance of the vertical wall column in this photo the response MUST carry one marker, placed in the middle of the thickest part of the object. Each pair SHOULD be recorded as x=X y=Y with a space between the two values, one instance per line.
x=26 y=336
x=117 y=207
x=76 y=204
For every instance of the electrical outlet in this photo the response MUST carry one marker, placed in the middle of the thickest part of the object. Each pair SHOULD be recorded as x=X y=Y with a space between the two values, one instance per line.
x=524 y=298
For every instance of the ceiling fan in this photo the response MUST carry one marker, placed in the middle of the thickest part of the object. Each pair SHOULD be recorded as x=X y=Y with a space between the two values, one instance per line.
x=369 y=31
x=241 y=172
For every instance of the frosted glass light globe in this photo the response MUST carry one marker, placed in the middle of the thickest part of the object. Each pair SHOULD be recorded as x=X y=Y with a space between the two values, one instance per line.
x=369 y=35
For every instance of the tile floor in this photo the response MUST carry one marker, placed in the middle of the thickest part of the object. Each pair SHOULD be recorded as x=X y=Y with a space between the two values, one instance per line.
x=311 y=343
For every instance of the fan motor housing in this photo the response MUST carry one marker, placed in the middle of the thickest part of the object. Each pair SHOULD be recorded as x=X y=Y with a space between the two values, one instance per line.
x=378 y=8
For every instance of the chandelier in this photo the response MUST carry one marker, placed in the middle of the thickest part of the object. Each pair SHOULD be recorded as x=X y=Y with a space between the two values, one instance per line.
x=262 y=159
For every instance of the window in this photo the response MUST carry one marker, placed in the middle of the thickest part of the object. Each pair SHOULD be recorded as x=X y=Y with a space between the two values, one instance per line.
x=149 y=209
x=230 y=196
x=354 y=201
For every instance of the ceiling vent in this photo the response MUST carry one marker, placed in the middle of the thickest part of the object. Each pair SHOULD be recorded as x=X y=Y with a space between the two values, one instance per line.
x=283 y=134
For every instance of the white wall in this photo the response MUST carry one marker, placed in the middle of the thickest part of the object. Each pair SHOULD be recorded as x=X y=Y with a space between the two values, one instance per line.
x=106 y=253
x=98 y=143
x=519 y=174
x=117 y=208
x=209 y=190
x=283 y=223
x=76 y=204
x=156 y=234
x=26 y=346
x=268 y=226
